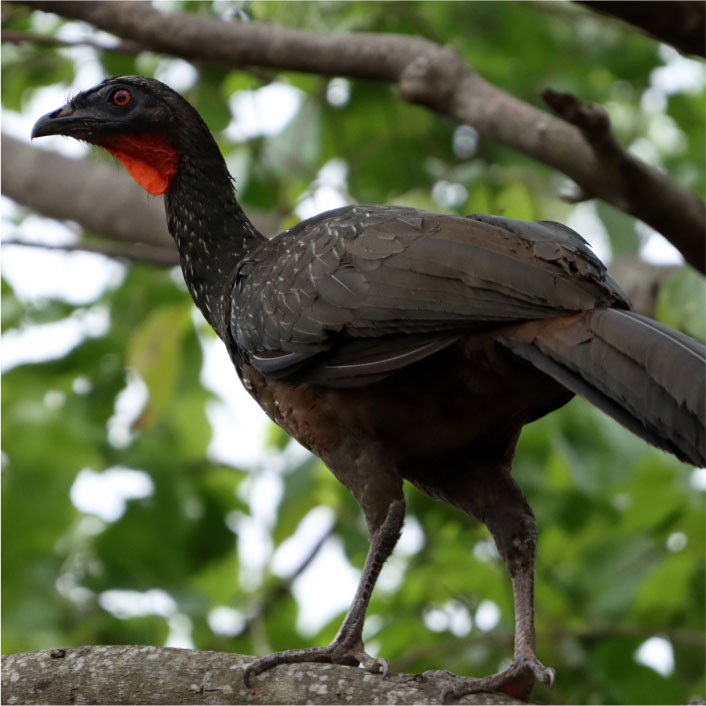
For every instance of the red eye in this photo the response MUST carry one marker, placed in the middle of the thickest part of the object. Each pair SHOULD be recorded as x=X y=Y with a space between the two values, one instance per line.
x=121 y=98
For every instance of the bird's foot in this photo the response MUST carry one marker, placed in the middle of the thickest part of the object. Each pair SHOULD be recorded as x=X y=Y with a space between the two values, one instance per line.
x=517 y=680
x=335 y=653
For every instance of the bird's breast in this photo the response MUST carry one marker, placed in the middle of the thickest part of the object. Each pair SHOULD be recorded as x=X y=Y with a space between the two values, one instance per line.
x=472 y=393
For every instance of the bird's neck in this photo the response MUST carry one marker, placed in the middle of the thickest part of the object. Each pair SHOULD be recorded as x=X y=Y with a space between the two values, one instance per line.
x=211 y=231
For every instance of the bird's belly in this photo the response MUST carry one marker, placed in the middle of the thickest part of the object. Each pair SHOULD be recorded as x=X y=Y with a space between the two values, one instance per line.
x=468 y=394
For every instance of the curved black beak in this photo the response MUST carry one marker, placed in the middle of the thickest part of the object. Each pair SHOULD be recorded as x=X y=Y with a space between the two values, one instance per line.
x=54 y=123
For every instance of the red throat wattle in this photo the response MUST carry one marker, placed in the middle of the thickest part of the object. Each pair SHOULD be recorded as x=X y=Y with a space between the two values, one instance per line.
x=149 y=159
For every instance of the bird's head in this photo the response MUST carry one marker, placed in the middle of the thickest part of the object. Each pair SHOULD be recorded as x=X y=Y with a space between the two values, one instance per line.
x=140 y=121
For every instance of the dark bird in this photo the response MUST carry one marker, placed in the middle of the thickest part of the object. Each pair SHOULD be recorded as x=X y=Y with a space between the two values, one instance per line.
x=401 y=344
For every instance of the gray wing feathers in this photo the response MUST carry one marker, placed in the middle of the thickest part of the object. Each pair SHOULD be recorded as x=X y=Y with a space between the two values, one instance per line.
x=648 y=377
x=366 y=273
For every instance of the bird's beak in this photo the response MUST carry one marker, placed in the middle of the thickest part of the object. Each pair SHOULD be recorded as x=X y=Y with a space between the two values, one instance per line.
x=58 y=122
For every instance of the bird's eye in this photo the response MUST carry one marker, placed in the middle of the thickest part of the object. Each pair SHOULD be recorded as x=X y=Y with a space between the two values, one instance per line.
x=121 y=98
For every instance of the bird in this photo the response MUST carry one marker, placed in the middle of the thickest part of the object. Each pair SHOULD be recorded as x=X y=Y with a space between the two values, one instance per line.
x=398 y=344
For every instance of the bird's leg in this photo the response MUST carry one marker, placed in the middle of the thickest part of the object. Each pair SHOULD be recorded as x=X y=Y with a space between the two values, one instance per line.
x=504 y=509
x=350 y=635
x=516 y=539
x=347 y=647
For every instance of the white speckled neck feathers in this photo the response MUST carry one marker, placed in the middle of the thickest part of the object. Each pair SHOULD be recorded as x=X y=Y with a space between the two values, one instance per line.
x=211 y=230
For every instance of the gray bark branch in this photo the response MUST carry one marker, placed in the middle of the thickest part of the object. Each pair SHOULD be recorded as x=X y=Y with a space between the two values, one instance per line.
x=429 y=75
x=118 y=674
x=100 y=197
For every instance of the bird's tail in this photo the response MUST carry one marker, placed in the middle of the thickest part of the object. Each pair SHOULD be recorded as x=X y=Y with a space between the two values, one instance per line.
x=647 y=376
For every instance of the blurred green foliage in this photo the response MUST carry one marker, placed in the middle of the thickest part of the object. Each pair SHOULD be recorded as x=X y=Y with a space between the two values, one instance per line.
x=621 y=555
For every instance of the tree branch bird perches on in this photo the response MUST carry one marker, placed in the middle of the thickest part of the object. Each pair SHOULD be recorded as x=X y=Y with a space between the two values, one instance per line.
x=401 y=344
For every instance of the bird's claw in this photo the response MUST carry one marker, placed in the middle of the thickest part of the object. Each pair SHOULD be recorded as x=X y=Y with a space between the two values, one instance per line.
x=517 y=680
x=335 y=653
x=546 y=676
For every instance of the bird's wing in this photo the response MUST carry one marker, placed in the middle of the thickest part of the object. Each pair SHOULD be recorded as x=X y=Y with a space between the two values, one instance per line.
x=362 y=291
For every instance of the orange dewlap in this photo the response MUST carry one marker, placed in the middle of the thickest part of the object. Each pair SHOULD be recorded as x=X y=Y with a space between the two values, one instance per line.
x=149 y=159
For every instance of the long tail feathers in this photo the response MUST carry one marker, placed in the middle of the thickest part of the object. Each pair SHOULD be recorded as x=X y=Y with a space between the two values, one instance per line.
x=650 y=378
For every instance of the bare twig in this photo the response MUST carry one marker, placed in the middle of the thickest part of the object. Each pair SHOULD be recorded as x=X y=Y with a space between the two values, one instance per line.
x=592 y=119
x=637 y=183
x=283 y=588
x=427 y=74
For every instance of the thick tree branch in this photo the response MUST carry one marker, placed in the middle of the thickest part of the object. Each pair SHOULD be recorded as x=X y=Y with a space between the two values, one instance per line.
x=681 y=23
x=69 y=189
x=101 y=197
x=426 y=74
x=119 y=674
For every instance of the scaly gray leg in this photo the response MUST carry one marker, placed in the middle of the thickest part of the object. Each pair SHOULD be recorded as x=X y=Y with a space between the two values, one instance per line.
x=347 y=647
x=488 y=491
